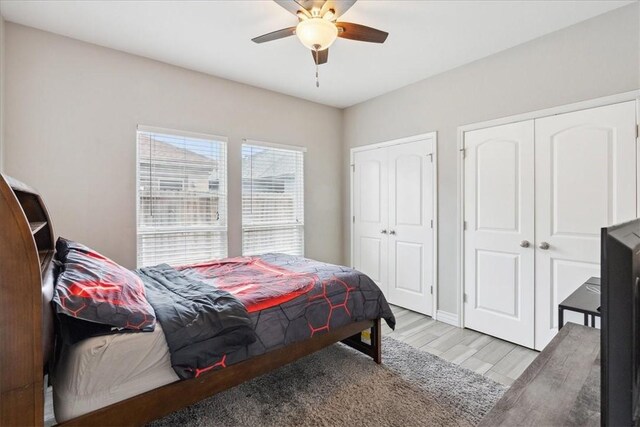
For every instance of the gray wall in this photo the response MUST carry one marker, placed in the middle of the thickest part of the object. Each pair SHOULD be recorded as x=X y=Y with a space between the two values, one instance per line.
x=595 y=58
x=71 y=115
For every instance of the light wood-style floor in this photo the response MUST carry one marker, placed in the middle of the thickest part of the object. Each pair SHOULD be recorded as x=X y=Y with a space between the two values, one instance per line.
x=499 y=360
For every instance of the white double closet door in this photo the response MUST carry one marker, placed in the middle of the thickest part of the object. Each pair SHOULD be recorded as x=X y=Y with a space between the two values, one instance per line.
x=536 y=196
x=393 y=205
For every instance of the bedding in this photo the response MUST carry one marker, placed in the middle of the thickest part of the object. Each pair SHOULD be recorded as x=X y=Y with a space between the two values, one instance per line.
x=291 y=309
x=201 y=323
x=93 y=288
x=103 y=370
x=258 y=284
x=294 y=299
x=288 y=299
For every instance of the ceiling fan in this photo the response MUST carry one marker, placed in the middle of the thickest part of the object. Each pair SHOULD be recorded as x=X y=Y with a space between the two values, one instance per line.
x=318 y=28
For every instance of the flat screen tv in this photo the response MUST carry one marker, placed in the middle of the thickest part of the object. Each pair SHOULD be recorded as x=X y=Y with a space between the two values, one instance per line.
x=620 y=336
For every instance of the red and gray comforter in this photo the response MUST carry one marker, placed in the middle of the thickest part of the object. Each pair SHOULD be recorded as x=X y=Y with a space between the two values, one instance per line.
x=219 y=313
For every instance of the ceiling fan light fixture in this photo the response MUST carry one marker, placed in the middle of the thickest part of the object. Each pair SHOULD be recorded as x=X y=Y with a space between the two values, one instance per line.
x=316 y=33
x=330 y=15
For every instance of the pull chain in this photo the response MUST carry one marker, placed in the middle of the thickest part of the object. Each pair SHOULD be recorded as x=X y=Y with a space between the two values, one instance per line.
x=317 y=52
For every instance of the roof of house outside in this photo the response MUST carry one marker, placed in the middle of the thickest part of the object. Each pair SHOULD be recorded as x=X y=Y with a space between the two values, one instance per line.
x=268 y=164
x=165 y=150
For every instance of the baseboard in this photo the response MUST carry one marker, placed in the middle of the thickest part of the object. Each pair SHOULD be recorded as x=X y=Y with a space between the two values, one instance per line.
x=446 y=317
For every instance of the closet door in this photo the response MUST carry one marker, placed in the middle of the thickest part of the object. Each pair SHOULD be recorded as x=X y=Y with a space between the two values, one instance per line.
x=585 y=180
x=498 y=240
x=411 y=237
x=371 y=215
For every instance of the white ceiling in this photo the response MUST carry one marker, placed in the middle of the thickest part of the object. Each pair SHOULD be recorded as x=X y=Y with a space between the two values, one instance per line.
x=426 y=38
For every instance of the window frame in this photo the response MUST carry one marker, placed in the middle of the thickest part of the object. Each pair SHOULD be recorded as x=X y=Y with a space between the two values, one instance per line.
x=191 y=135
x=258 y=143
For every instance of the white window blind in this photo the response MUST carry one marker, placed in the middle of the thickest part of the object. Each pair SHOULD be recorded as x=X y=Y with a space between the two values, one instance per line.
x=272 y=200
x=182 y=198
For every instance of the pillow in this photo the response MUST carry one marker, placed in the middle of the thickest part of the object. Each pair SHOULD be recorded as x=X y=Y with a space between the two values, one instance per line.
x=91 y=287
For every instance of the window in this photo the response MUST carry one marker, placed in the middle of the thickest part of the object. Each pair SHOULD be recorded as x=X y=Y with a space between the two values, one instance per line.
x=272 y=199
x=170 y=184
x=182 y=200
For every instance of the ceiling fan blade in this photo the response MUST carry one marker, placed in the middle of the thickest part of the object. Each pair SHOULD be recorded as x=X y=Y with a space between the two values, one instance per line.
x=275 y=35
x=290 y=5
x=322 y=58
x=293 y=6
x=340 y=6
x=312 y=4
x=361 y=33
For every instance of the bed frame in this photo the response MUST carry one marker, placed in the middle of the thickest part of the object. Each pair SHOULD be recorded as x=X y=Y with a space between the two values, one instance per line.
x=27 y=334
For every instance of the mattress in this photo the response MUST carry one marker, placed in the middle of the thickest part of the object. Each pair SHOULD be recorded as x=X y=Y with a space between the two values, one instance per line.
x=103 y=370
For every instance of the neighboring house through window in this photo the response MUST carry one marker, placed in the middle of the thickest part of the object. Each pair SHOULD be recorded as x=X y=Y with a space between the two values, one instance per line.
x=272 y=199
x=182 y=200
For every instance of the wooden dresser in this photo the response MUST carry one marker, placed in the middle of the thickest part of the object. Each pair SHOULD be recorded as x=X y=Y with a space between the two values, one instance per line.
x=560 y=388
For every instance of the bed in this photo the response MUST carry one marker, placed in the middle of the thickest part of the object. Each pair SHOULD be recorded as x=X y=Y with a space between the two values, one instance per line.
x=323 y=304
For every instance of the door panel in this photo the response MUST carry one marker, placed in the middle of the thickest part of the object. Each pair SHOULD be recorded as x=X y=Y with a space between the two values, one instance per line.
x=498 y=283
x=585 y=153
x=496 y=176
x=371 y=260
x=499 y=198
x=408 y=263
x=585 y=180
x=408 y=172
x=370 y=202
x=411 y=238
x=371 y=211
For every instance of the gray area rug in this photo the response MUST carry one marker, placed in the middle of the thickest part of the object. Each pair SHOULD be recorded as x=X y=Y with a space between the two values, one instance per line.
x=339 y=386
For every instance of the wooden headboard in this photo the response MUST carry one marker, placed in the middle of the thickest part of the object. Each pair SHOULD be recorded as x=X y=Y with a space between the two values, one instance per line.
x=26 y=289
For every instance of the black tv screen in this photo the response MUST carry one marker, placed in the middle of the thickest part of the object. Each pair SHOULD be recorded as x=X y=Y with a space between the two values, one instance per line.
x=620 y=310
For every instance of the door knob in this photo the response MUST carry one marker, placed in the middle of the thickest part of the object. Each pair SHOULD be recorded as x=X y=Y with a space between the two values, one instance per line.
x=525 y=244
x=392 y=232
x=544 y=246
x=383 y=231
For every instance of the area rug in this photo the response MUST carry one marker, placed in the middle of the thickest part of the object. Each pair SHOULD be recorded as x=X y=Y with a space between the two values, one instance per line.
x=339 y=386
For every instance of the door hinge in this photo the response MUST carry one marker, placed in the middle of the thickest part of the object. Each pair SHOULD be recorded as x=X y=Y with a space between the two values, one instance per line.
x=431 y=223
x=430 y=156
x=431 y=290
x=464 y=297
x=464 y=152
x=353 y=167
x=464 y=225
x=638 y=131
x=354 y=219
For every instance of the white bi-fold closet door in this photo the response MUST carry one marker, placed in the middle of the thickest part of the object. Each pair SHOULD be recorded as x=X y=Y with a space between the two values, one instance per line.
x=586 y=167
x=393 y=213
x=499 y=216
x=536 y=195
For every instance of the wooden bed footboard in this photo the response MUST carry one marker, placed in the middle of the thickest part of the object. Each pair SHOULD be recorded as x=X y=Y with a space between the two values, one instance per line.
x=162 y=401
